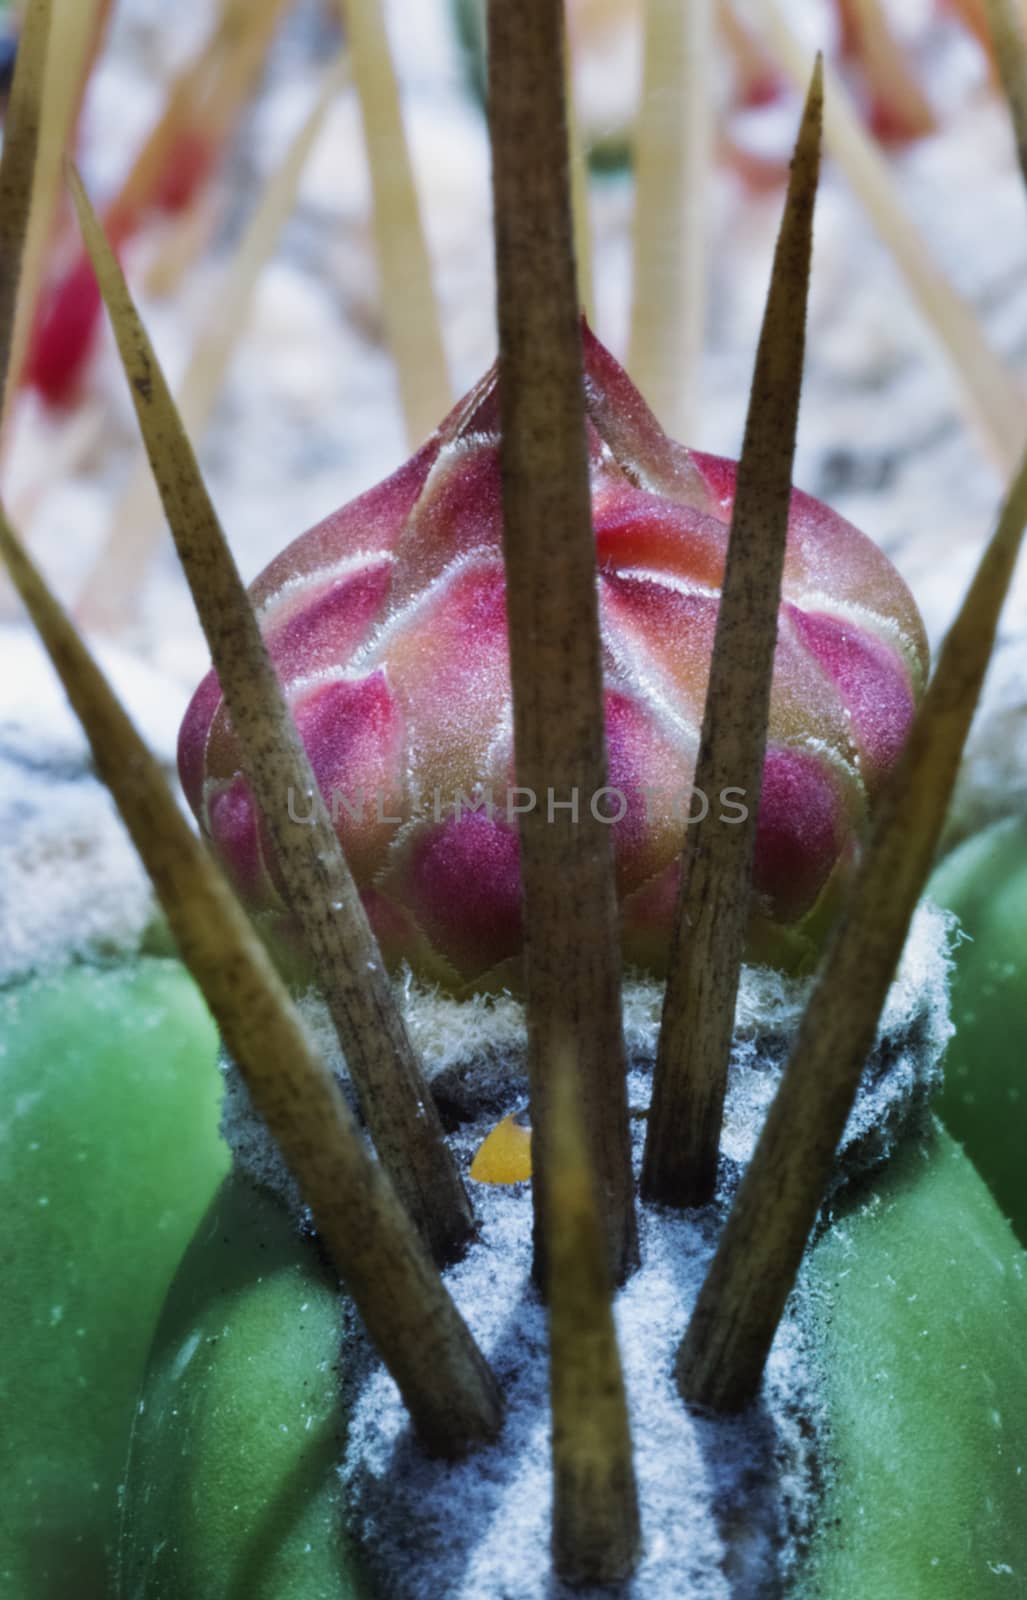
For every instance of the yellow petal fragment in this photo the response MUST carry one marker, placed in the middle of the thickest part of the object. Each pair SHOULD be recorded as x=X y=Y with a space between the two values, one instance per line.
x=505 y=1155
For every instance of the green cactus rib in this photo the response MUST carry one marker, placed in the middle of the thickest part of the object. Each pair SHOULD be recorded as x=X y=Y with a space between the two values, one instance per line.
x=922 y=1291
x=245 y=1366
x=99 y=1206
x=983 y=1103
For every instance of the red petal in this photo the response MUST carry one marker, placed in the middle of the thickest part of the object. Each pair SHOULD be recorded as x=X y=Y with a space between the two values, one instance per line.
x=459 y=511
x=639 y=445
x=650 y=775
x=873 y=682
x=232 y=818
x=635 y=529
x=662 y=639
x=369 y=525
x=353 y=733
x=828 y=561
x=192 y=739
x=461 y=879
x=319 y=626
x=449 y=670
x=799 y=832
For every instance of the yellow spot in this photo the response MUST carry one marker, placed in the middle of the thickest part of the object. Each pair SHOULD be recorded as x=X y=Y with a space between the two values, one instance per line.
x=505 y=1156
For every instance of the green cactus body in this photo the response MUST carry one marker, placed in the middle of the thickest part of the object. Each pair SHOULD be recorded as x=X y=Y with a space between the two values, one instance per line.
x=923 y=1295
x=920 y=1301
x=984 y=1101
x=232 y=1488
x=110 y=1157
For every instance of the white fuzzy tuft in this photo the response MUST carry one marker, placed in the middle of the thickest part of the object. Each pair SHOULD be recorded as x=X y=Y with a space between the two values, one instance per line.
x=726 y=1505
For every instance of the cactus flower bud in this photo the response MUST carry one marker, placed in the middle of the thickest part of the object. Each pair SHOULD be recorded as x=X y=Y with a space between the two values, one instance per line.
x=387 y=625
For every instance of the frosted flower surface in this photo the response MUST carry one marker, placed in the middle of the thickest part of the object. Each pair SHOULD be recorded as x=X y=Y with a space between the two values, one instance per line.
x=387 y=625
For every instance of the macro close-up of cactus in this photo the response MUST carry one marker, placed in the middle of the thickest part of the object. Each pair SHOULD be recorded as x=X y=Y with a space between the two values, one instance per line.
x=513 y=1001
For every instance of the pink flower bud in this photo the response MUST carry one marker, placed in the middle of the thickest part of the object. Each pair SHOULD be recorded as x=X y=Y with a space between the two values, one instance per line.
x=387 y=624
